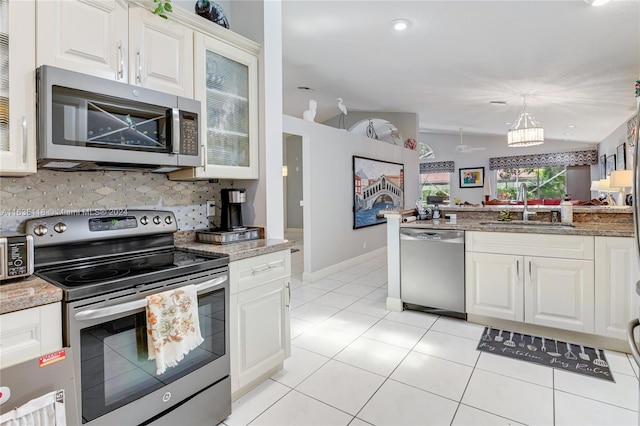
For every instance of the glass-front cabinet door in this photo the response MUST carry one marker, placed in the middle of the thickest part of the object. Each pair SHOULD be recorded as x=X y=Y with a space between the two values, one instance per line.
x=17 y=100
x=226 y=85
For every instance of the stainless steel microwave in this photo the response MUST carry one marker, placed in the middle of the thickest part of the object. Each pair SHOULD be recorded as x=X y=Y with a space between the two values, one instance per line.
x=90 y=123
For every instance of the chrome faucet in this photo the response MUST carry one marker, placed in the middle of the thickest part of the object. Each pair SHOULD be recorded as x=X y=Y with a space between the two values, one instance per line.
x=522 y=193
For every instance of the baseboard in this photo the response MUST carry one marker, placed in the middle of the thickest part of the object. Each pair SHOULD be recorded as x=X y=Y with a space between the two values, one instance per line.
x=311 y=277
x=394 y=305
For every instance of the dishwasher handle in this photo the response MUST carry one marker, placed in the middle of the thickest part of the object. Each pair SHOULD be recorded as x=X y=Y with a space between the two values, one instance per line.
x=429 y=235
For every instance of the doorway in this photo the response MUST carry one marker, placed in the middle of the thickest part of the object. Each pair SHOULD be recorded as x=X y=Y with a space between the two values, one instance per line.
x=293 y=200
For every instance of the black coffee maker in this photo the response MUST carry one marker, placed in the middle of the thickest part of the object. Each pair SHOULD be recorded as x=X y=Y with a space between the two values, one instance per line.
x=232 y=200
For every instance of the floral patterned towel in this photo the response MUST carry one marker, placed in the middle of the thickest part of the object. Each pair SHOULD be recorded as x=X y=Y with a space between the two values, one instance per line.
x=173 y=327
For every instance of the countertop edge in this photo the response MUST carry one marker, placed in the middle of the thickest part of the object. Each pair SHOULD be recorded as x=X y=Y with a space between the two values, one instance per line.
x=594 y=229
x=237 y=251
x=25 y=293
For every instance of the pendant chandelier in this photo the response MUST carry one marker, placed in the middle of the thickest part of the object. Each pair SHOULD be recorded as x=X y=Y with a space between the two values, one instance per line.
x=526 y=131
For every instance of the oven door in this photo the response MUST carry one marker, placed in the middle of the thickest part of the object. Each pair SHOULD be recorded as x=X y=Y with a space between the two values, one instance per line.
x=116 y=382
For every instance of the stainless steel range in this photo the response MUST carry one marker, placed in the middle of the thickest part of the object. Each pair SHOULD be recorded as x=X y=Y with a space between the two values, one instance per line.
x=106 y=265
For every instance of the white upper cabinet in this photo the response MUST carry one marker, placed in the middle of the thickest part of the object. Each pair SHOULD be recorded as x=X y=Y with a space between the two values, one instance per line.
x=90 y=37
x=226 y=80
x=17 y=88
x=116 y=40
x=160 y=53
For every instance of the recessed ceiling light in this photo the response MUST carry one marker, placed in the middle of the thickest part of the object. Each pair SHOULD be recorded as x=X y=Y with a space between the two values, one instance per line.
x=567 y=134
x=400 y=24
x=508 y=123
x=304 y=88
x=571 y=126
x=596 y=2
x=498 y=103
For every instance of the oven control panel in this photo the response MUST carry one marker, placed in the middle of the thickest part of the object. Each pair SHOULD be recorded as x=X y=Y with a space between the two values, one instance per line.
x=54 y=230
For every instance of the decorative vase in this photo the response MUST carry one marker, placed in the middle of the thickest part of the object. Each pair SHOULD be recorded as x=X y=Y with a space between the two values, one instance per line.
x=212 y=11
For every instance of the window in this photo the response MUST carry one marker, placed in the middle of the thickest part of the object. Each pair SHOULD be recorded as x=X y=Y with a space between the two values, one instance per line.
x=542 y=182
x=435 y=183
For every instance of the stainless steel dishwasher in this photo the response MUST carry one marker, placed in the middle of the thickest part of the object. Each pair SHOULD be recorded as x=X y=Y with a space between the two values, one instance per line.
x=432 y=270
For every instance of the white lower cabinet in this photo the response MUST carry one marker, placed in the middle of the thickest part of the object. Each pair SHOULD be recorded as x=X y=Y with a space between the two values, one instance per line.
x=260 y=330
x=546 y=280
x=30 y=333
x=617 y=270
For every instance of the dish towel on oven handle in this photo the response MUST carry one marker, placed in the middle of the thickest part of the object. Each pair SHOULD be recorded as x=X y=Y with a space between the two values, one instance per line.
x=46 y=410
x=173 y=327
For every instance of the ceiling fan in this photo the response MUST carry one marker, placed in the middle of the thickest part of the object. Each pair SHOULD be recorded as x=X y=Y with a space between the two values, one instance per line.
x=466 y=149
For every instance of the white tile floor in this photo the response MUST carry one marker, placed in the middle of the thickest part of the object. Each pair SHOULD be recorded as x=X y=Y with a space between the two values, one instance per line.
x=355 y=363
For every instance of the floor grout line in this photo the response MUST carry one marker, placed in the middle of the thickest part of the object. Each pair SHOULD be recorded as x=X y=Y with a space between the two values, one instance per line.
x=388 y=378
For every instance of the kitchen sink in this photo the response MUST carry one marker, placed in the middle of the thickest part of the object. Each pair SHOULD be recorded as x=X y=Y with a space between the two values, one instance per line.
x=525 y=223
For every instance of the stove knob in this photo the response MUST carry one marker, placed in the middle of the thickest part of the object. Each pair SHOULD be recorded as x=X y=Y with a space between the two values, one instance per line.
x=156 y=220
x=40 y=230
x=60 y=227
x=168 y=220
x=144 y=220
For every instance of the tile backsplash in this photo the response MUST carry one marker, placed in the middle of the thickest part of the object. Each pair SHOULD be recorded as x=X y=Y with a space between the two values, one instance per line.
x=55 y=192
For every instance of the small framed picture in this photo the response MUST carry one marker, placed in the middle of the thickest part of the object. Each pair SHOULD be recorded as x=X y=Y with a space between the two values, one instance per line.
x=472 y=177
x=621 y=162
x=611 y=164
x=603 y=166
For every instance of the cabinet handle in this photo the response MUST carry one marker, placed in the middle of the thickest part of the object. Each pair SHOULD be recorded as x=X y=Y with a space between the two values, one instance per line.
x=139 y=67
x=518 y=268
x=289 y=289
x=205 y=161
x=530 y=275
x=258 y=271
x=120 y=62
x=25 y=142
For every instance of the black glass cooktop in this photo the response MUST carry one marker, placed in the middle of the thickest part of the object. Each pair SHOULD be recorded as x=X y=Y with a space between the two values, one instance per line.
x=95 y=277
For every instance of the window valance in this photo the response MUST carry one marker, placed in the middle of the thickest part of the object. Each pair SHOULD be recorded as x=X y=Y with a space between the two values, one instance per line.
x=570 y=158
x=437 y=167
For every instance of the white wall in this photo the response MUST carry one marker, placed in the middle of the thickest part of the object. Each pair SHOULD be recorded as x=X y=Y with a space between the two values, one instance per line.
x=444 y=148
x=329 y=237
x=610 y=144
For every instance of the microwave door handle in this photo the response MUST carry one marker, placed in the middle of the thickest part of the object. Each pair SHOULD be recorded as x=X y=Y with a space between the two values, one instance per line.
x=138 y=304
x=175 y=131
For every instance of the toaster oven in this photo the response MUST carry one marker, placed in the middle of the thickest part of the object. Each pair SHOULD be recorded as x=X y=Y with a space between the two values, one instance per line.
x=16 y=256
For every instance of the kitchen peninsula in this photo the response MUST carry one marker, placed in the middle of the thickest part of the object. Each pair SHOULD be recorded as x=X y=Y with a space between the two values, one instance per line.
x=565 y=278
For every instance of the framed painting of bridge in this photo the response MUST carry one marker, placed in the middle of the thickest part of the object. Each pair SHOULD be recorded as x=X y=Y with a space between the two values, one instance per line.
x=377 y=186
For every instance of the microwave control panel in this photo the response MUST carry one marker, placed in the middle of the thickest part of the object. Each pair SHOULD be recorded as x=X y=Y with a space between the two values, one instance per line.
x=189 y=144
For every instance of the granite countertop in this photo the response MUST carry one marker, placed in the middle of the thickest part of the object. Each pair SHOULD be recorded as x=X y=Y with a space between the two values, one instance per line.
x=29 y=292
x=578 y=228
x=235 y=251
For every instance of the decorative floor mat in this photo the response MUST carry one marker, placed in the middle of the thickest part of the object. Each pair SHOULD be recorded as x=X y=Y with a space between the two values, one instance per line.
x=550 y=352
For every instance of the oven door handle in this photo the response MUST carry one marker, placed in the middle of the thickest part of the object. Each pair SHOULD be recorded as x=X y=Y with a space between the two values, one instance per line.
x=138 y=304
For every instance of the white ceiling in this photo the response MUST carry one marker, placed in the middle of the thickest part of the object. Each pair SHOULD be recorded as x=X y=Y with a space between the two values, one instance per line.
x=576 y=63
